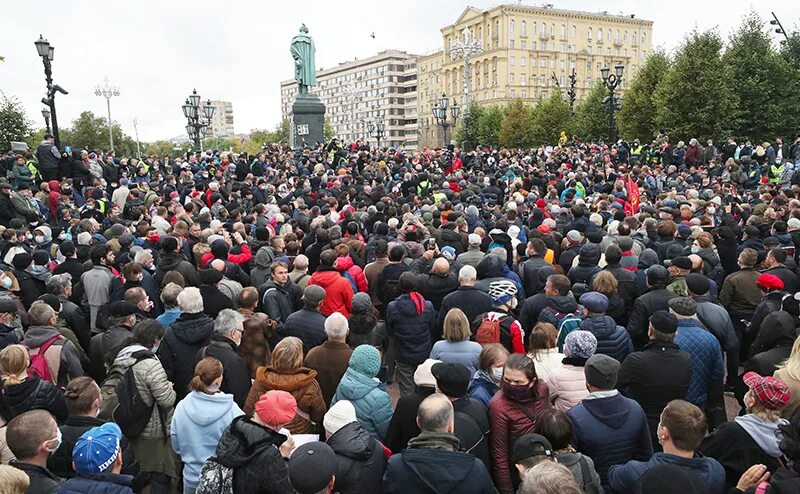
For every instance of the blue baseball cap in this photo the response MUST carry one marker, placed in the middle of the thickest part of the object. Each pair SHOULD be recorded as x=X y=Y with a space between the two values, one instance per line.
x=97 y=449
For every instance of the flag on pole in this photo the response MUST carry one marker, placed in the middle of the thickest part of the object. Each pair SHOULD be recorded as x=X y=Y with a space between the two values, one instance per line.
x=633 y=195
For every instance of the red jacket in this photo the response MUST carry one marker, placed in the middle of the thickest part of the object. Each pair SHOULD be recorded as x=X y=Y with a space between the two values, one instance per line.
x=509 y=420
x=346 y=264
x=243 y=258
x=338 y=293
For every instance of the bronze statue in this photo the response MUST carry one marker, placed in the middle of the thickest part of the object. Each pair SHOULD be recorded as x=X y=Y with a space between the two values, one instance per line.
x=303 y=52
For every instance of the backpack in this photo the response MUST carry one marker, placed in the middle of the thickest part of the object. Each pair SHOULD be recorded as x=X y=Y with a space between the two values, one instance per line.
x=121 y=401
x=350 y=278
x=564 y=323
x=488 y=331
x=39 y=366
x=215 y=478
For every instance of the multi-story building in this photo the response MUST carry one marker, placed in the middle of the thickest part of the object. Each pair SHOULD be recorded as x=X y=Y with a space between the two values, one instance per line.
x=355 y=93
x=528 y=52
x=222 y=121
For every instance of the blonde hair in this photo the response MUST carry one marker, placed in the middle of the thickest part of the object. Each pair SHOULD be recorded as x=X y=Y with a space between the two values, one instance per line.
x=288 y=354
x=792 y=364
x=761 y=411
x=14 y=361
x=605 y=283
x=456 y=326
x=13 y=480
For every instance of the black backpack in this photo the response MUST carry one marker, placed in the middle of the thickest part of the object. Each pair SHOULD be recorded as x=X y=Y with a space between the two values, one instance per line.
x=131 y=413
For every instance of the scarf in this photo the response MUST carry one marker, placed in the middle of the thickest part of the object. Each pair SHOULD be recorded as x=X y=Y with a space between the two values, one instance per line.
x=442 y=441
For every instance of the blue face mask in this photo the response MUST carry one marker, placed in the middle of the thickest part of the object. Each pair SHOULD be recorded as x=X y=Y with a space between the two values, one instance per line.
x=7 y=282
x=58 y=442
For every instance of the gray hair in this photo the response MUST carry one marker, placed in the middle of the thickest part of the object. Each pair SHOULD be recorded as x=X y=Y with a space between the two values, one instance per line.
x=40 y=313
x=227 y=320
x=467 y=273
x=499 y=252
x=169 y=294
x=142 y=255
x=336 y=326
x=58 y=283
x=190 y=301
x=549 y=477
x=301 y=262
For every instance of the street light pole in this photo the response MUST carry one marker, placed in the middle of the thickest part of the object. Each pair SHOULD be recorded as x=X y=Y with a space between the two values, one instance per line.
x=47 y=51
x=465 y=49
x=46 y=115
x=440 y=114
x=779 y=29
x=611 y=82
x=107 y=91
x=136 y=130
x=353 y=96
x=198 y=118
x=377 y=130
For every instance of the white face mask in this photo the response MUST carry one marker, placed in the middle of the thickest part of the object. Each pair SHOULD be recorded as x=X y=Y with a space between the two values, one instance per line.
x=497 y=374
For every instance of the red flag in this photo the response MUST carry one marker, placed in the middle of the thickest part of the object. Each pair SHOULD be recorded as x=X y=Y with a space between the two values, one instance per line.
x=633 y=195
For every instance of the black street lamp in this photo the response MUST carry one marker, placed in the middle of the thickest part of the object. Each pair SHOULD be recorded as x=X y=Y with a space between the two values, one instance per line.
x=46 y=115
x=611 y=82
x=440 y=114
x=377 y=130
x=779 y=29
x=571 y=92
x=198 y=118
x=46 y=51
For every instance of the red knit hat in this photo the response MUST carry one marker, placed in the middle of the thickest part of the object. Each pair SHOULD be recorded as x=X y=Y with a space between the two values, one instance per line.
x=769 y=282
x=276 y=408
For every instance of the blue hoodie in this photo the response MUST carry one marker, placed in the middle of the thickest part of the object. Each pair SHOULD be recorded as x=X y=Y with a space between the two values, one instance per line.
x=197 y=424
x=625 y=478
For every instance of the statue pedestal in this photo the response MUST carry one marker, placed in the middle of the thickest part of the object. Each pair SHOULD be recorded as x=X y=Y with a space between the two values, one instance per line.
x=308 y=121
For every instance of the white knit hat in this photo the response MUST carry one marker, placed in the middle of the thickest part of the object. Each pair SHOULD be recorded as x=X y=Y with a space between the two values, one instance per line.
x=423 y=375
x=339 y=415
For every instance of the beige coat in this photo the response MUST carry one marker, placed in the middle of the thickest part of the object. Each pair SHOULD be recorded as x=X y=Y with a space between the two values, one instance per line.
x=567 y=387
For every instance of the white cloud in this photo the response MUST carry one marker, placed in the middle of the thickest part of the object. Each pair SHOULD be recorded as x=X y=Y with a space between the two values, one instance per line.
x=157 y=51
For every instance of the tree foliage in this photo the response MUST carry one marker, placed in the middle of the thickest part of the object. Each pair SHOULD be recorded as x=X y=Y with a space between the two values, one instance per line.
x=328 y=129
x=551 y=116
x=91 y=132
x=14 y=125
x=482 y=125
x=516 y=128
x=591 y=115
x=763 y=84
x=637 y=116
x=694 y=97
x=160 y=148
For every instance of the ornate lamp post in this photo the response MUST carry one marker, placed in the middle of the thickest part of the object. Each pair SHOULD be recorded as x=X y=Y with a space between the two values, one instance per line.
x=779 y=29
x=377 y=130
x=465 y=48
x=198 y=118
x=46 y=51
x=46 y=115
x=611 y=82
x=353 y=97
x=107 y=91
x=440 y=114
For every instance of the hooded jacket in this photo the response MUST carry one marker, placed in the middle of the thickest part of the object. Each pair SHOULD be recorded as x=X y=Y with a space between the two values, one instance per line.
x=260 y=272
x=251 y=450
x=302 y=384
x=173 y=261
x=611 y=430
x=612 y=340
x=62 y=356
x=625 y=478
x=360 y=461
x=410 y=321
x=182 y=340
x=346 y=264
x=338 y=292
x=197 y=425
x=32 y=394
x=645 y=306
x=279 y=301
x=372 y=403
x=433 y=466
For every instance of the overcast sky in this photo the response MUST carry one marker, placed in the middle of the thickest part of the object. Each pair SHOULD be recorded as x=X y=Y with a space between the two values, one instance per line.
x=157 y=51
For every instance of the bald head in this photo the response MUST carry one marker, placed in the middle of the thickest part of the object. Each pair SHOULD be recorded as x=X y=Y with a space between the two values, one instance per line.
x=441 y=266
x=218 y=264
x=435 y=414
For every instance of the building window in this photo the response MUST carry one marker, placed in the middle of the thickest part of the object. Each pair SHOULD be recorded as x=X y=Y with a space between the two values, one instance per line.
x=633 y=38
x=522 y=80
x=524 y=28
x=561 y=81
x=523 y=44
x=572 y=65
x=544 y=30
x=562 y=64
x=599 y=34
x=511 y=60
x=552 y=63
x=511 y=44
x=589 y=49
x=524 y=93
x=635 y=53
x=589 y=34
x=563 y=47
x=543 y=63
x=618 y=39
x=588 y=66
x=552 y=30
x=533 y=45
x=644 y=38
x=644 y=54
x=511 y=25
x=625 y=52
x=563 y=31
x=541 y=81
x=513 y=93
x=625 y=37
x=511 y=78
x=523 y=61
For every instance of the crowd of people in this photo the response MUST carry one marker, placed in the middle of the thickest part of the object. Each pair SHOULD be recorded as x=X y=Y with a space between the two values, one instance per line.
x=584 y=318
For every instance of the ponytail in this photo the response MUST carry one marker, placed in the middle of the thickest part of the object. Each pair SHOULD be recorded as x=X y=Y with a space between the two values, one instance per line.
x=207 y=370
x=14 y=361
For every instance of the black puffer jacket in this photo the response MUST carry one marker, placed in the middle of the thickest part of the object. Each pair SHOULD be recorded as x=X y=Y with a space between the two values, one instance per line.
x=183 y=339
x=252 y=452
x=360 y=460
x=32 y=394
x=612 y=340
x=411 y=320
x=645 y=306
x=173 y=261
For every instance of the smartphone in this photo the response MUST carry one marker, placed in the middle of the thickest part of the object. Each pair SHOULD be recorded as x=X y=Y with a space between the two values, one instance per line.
x=68 y=149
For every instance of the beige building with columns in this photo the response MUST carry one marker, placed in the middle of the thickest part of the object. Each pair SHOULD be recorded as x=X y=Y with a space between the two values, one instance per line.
x=522 y=49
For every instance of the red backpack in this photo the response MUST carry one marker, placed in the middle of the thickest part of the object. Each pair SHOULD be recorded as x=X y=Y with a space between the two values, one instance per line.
x=488 y=332
x=38 y=366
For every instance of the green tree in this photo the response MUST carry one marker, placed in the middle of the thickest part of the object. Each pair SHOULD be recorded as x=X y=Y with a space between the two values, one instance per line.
x=328 y=129
x=763 y=83
x=484 y=123
x=91 y=132
x=256 y=142
x=159 y=148
x=636 y=118
x=551 y=116
x=694 y=98
x=791 y=49
x=14 y=125
x=591 y=115
x=516 y=127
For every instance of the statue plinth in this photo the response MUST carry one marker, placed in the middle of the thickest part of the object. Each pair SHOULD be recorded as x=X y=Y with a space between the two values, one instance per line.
x=308 y=121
